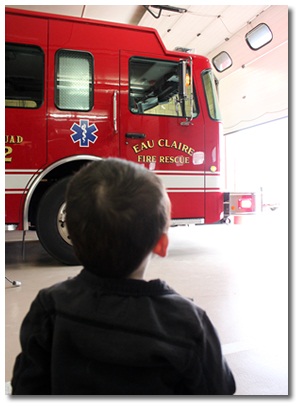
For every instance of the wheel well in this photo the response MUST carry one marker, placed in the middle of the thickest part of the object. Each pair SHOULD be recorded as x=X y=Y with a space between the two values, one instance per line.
x=62 y=171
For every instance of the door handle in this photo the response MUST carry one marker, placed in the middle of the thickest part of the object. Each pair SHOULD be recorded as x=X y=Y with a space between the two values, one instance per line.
x=135 y=135
x=115 y=111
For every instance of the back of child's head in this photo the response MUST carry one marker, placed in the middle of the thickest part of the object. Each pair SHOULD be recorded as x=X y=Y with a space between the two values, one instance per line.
x=116 y=213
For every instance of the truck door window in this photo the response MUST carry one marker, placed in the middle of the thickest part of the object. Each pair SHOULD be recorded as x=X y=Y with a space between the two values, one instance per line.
x=24 y=76
x=154 y=88
x=74 y=80
x=211 y=94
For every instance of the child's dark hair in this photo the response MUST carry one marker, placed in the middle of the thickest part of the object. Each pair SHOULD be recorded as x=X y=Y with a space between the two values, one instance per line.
x=116 y=213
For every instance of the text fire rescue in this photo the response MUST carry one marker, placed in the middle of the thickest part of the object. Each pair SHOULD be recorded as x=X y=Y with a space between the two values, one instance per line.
x=168 y=159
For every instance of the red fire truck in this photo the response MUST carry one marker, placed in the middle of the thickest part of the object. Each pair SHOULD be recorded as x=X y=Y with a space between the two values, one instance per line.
x=78 y=90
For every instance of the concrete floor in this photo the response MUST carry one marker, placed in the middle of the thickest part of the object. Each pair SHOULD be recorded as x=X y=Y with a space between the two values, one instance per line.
x=238 y=273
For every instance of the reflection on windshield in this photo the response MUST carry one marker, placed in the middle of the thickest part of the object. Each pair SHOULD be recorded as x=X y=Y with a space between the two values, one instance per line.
x=154 y=87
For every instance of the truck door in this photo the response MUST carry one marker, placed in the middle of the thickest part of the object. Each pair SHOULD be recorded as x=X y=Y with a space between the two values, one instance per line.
x=83 y=86
x=25 y=106
x=25 y=63
x=155 y=133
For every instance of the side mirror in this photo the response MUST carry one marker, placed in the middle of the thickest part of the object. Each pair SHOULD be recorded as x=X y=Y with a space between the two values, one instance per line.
x=186 y=96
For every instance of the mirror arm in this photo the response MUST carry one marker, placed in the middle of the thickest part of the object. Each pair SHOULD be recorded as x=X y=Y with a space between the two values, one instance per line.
x=183 y=94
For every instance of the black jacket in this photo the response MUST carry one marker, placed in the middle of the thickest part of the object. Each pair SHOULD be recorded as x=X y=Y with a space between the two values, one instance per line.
x=94 y=336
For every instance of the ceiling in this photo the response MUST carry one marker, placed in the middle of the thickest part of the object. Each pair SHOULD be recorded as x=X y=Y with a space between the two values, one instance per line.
x=202 y=28
x=255 y=88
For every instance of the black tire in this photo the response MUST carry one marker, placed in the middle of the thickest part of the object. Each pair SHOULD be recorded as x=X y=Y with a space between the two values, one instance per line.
x=51 y=227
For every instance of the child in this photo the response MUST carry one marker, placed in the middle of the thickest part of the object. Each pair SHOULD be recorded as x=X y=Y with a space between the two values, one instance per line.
x=108 y=331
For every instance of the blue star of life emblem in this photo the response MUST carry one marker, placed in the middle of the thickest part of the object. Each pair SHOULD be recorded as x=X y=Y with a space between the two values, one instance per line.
x=84 y=133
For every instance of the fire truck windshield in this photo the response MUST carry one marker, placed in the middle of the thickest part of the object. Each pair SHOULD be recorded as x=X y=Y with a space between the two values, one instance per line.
x=211 y=94
x=154 y=88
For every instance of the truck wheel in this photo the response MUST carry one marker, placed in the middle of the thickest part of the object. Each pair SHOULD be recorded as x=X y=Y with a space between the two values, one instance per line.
x=51 y=226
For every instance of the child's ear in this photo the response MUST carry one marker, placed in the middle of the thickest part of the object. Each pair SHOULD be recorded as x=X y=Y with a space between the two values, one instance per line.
x=161 y=247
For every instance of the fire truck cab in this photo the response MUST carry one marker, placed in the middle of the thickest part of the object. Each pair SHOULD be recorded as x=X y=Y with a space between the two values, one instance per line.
x=78 y=90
